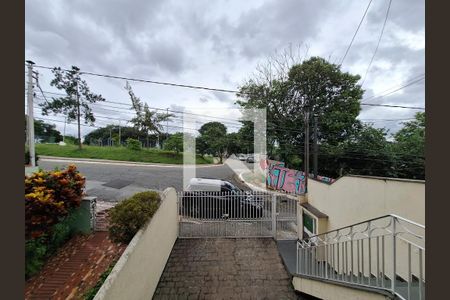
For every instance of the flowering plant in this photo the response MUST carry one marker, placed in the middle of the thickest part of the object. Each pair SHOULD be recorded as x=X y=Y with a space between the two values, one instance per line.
x=49 y=196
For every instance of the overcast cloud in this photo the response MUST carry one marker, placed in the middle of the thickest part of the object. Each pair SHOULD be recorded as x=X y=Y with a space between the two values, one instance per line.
x=219 y=44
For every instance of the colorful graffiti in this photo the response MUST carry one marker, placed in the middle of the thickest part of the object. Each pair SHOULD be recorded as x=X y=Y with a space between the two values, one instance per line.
x=287 y=180
x=266 y=164
x=324 y=179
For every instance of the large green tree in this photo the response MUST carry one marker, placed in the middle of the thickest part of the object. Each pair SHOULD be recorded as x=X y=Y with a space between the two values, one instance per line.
x=409 y=148
x=76 y=104
x=101 y=135
x=44 y=131
x=316 y=86
x=212 y=139
x=174 y=142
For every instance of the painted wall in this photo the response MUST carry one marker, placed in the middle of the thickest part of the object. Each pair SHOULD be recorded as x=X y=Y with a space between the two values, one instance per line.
x=287 y=180
x=353 y=199
x=324 y=290
x=136 y=274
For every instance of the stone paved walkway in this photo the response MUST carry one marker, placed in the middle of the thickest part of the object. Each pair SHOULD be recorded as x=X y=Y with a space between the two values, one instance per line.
x=225 y=269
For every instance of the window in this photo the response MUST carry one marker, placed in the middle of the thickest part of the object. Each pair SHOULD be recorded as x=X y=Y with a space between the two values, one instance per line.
x=309 y=225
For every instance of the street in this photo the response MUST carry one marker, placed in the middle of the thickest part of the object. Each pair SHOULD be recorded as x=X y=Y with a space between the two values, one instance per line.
x=148 y=176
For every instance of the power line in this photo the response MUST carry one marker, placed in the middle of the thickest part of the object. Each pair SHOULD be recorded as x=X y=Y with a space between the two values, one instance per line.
x=270 y=125
x=379 y=40
x=393 y=106
x=181 y=85
x=394 y=91
x=354 y=35
x=148 y=81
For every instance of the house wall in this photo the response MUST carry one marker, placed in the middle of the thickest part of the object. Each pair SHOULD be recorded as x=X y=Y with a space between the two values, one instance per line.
x=136 y=274
x=324 y=290
x=353 y=199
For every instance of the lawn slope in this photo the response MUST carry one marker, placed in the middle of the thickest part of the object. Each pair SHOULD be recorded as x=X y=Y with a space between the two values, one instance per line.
x=116 y=153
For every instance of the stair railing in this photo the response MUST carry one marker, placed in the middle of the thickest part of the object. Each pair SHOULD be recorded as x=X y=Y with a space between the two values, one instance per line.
x=385 y=253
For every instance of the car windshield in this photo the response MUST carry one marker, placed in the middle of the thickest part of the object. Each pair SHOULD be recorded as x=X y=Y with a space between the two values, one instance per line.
x=232 y=187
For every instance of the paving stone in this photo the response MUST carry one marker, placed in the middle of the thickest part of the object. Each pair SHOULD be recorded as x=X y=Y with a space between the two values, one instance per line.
x=225 y=269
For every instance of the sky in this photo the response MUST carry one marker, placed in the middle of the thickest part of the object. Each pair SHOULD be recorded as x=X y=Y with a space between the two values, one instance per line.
x=219 y=44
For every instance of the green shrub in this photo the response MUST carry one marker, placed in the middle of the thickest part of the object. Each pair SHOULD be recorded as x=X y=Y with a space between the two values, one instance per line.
x=37 y=250
x=127 y=217
x=49 y=197
x=35 y=255
x=133 y=144
x=61 y=233
x=90 y=294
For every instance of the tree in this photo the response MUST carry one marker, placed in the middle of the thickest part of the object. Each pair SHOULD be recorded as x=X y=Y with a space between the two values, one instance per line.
x=314 y=85
x=77 y=102
x=409 y=148
x=46 y=132
x=212 y=139
x=174 y=142
x=146 y=121
x=246 y=137
x=234 y=145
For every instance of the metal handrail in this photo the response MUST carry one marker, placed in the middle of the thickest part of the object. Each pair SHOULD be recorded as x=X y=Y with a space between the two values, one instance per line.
x=370 y=220
x=327 y=256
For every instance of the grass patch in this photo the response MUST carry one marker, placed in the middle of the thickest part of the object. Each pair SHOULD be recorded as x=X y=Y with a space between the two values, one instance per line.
x=117 y=153
x=90 y=294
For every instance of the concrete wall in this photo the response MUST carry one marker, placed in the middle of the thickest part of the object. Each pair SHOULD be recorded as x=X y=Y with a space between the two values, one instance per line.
x=352 y=199
x=324 y=290
x=136 y=274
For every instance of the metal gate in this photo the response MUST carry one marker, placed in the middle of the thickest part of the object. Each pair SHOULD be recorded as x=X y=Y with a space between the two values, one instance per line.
x=236 y=214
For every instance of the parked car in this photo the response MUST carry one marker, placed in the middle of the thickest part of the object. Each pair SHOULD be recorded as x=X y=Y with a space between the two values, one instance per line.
x=242 y=156
x=250 y=159
x=207 y=198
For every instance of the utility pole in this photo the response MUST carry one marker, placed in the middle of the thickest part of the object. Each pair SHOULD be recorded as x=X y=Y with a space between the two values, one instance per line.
x=78 y=118
x=120 y=141
x=110 y=136
x=167 y=122
x=306 y=147
x=64 y=134
x=30 y=120
x=316 y=148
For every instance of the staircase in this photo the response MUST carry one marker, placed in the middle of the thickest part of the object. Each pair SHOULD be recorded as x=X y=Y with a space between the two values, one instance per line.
x=385 y=254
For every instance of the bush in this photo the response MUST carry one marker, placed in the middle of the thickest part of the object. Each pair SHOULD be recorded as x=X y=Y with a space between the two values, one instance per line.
x=49 y=196
x=127 y=217
x=133 y=144
x=39 y=249
x=35 y=255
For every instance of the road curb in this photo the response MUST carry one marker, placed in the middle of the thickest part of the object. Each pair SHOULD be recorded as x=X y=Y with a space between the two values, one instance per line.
x=118 y=162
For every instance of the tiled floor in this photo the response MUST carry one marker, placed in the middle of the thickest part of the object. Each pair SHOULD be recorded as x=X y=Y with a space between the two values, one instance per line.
x=225 y=269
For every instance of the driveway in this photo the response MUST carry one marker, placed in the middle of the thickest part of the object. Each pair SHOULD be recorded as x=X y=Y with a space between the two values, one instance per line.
x=225 y=269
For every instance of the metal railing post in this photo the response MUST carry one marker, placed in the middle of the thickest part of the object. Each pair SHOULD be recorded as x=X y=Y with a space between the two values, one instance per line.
x=274 y=216
x=393 y=256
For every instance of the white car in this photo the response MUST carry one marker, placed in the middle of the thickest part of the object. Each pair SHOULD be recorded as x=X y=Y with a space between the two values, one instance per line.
x=242 y=157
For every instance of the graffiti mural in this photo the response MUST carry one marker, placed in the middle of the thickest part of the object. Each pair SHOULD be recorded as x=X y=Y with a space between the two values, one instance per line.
x=266 y=164
x=325 y=179
x=287 y=180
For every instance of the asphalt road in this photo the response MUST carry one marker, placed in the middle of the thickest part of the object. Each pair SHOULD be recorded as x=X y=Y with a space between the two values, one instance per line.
x=152 y=177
